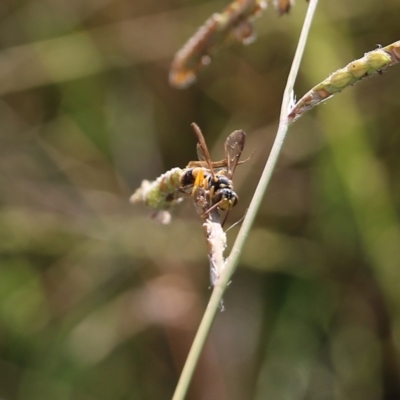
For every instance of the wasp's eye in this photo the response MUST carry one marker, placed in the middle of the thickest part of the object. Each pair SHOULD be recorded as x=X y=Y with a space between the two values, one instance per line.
x=235 y=200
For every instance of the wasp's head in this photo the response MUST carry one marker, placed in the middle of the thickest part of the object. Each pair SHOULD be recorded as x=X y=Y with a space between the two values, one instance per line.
x=226 y=198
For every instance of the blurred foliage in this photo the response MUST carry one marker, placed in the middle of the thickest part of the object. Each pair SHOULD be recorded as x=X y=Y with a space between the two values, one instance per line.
x=98 y=301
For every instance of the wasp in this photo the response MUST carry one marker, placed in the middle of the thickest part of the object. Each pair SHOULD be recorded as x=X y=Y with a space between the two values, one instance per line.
x=214 y=178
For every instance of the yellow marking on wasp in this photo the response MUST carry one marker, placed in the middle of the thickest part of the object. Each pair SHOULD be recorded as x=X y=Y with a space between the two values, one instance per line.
x=199 y=182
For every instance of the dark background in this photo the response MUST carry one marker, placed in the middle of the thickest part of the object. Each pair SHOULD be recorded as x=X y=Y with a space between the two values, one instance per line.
x=98 y=301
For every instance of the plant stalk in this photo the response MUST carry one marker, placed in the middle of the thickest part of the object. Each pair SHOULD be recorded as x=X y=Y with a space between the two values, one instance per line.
x=232 y=261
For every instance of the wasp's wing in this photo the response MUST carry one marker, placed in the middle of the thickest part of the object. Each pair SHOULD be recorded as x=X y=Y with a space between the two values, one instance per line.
x=234 y=145
x=200 y=153
x=202 y=149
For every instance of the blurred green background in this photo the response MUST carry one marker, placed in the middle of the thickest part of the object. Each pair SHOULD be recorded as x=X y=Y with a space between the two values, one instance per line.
x=98 y=301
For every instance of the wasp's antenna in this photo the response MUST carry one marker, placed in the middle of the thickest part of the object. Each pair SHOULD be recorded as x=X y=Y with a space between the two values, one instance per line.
x=236 y=223
x=215 y=206
x=226 y=216
x=212 y=208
